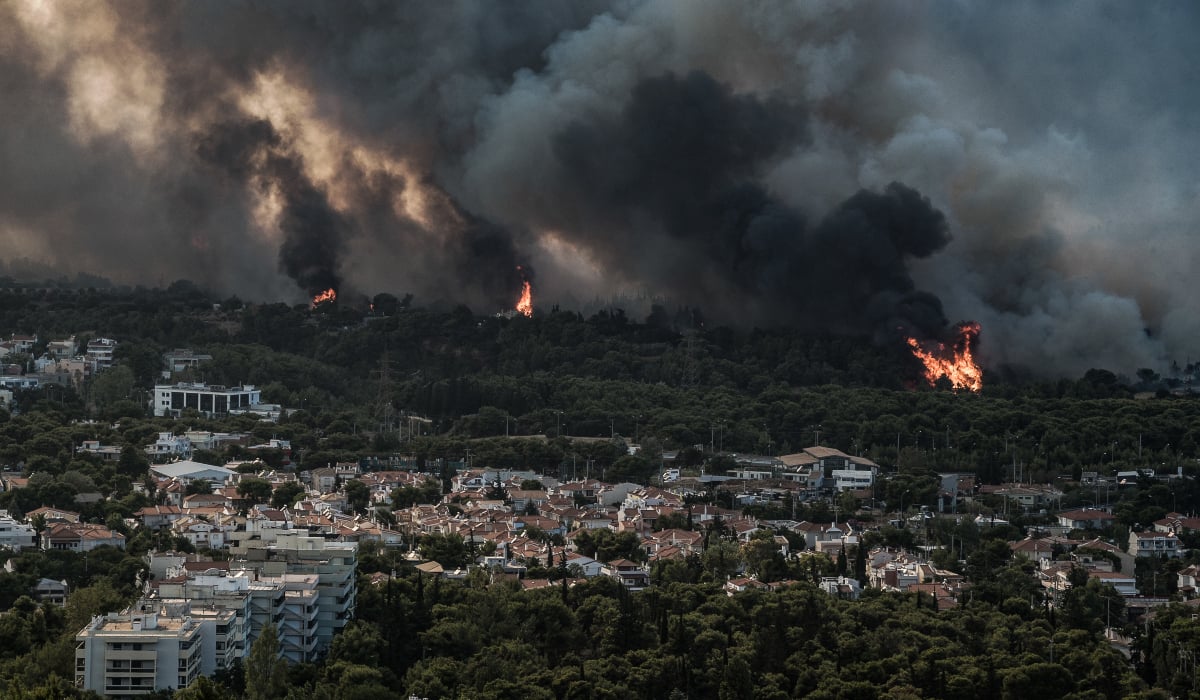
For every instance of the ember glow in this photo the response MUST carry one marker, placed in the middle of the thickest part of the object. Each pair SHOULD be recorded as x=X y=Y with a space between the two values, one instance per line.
x=954 y=361
x=327 y=295
x=525 y=303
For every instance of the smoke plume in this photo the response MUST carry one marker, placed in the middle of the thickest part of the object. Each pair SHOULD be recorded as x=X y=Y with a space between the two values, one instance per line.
x=858 y=167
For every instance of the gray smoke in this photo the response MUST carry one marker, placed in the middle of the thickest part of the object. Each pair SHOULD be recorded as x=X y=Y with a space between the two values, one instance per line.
x=253 y=154
x=844 y=166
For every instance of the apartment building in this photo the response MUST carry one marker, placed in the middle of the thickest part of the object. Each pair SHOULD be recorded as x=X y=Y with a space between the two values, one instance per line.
x=138 y=651
x=294 y=553
x=100 y=353
x=199 y=620
x=221 y=603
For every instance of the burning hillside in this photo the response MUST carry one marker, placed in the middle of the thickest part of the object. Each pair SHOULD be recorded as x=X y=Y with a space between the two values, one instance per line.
x=954 y=360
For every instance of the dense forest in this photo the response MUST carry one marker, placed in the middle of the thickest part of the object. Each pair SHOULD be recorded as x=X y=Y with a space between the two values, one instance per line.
x=357 y=371
x=551 y=392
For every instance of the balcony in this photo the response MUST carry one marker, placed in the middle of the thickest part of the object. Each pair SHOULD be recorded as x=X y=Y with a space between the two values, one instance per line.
x=130 y=655
x=124 y=666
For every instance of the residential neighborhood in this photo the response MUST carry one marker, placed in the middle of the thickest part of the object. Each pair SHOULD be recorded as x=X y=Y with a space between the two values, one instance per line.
x=254 y=558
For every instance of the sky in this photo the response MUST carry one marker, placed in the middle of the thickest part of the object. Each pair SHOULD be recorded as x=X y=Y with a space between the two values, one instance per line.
x=874 y=168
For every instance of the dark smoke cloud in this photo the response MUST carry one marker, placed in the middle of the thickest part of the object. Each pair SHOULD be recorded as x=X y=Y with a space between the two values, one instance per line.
x=743 y=157
x=253 y=153
x=674 y=180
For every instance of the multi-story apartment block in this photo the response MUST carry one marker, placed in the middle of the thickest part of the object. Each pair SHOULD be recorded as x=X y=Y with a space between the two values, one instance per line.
x=224 y=640
x=222 y=601
x=195 y=621
x=100 y=353
x=298 y=622
x=137 y=652
x=333 y=564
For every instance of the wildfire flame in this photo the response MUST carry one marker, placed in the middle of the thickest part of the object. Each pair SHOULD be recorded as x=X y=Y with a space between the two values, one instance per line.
x=955 y=361
x=525 y=303
x=327 y=295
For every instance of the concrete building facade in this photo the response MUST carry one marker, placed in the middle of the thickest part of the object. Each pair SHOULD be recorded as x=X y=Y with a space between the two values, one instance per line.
x=136 y=652
x=174 y=399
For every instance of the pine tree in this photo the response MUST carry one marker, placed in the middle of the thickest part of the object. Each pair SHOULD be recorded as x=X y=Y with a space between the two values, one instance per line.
x=266 y=672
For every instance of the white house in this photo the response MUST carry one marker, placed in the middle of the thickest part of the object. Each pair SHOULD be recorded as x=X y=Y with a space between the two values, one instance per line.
x=15 y=535
x=1152 y=544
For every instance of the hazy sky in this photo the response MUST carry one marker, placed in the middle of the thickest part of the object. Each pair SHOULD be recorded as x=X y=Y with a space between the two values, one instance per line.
x=862 y=167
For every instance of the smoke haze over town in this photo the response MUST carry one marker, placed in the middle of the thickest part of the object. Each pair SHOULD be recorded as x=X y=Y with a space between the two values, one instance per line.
x=869 y=168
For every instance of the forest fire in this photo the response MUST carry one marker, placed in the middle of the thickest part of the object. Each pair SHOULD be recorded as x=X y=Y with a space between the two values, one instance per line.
x=327 y=295
x=525 y=303
x=955 y=361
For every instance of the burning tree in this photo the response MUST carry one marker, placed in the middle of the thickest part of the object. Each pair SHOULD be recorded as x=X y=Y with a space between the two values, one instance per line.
x=327 y=295
x=525 y=302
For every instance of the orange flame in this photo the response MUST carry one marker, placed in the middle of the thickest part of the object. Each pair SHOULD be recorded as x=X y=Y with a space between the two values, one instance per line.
x=954 y=362
x=327 y=295
x=525 y=303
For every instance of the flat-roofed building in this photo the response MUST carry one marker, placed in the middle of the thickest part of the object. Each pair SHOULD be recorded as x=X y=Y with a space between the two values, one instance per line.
x=16 y=535
x=210 y=400
x=333 y=564
x=187 y=471
x=100 y=352
x=222 y=633
x=180 y=359
x=1154 y=544
x=137 y=652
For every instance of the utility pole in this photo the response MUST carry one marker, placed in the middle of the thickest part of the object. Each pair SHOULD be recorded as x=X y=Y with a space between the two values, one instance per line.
x=383 y=396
